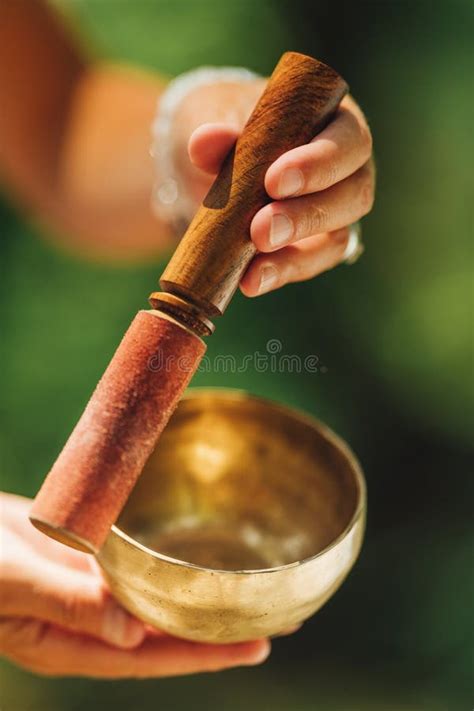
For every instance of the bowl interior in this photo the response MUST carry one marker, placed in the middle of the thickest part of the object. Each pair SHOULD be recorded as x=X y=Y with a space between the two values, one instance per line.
x=239 y=483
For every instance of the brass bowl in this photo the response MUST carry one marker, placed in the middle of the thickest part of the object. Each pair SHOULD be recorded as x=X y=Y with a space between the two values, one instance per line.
x=246 y=519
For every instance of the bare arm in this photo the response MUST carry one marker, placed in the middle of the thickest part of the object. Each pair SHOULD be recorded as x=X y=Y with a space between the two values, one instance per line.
x=74 y=137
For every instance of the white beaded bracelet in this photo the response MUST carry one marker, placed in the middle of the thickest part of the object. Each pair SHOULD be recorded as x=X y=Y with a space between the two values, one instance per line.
x=170 y=199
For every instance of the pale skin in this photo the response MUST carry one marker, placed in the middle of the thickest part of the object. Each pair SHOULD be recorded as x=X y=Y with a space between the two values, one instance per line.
x=318 y=190
x=58 y=618
x=74 y=145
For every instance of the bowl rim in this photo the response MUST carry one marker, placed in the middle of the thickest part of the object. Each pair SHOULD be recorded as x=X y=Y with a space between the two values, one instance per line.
x=301 y=416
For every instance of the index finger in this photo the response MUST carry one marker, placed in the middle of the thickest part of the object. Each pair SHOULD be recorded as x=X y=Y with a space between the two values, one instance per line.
x=58 y=652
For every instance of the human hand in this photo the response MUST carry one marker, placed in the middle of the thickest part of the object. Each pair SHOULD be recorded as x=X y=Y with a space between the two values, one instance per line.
x=318 y=189
x=58 y=618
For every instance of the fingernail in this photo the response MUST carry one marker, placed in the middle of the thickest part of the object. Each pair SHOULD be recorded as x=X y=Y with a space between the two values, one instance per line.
x=258 y=655
x=291 y=182
x=120 y=628
x=268 y=278
x=281 y=230
x=263 y=653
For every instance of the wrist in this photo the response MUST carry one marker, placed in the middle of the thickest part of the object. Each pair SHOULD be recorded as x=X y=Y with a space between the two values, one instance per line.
x=204 y=95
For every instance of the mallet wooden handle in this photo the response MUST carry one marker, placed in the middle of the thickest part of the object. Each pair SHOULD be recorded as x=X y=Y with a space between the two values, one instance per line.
x=206 y=268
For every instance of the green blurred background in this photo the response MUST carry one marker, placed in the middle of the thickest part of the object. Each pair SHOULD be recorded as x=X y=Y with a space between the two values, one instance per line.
x=393 y=331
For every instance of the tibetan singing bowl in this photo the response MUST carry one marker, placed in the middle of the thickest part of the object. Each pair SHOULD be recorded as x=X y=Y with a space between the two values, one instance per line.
x=246 y=519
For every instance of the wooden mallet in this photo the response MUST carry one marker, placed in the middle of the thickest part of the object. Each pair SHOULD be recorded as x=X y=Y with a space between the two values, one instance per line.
x=94 y=474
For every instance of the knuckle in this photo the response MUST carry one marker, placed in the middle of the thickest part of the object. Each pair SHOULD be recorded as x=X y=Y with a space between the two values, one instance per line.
x=298 y=270
x=74 y=611
x=366 y=140
x=21 y=638
x=328 y=174
x=367 y=198
x=321 y=167
x=14 y=634
x=8 y=592
x=319 y=219
x=314 y=221
x=367 y=193
x=336 y=257
x=298 y=273
x=82 y=609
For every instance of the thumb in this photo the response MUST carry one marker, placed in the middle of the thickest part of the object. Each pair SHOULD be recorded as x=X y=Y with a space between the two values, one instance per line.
x=75 y=600
x=209 y=145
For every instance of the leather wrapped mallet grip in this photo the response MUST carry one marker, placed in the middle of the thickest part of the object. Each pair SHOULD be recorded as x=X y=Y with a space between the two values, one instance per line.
x=300 y=99
x=94 y=474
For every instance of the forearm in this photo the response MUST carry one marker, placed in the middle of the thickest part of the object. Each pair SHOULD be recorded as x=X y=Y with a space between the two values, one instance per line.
x=39 y=70
x=105 y=171
x=75 y=135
